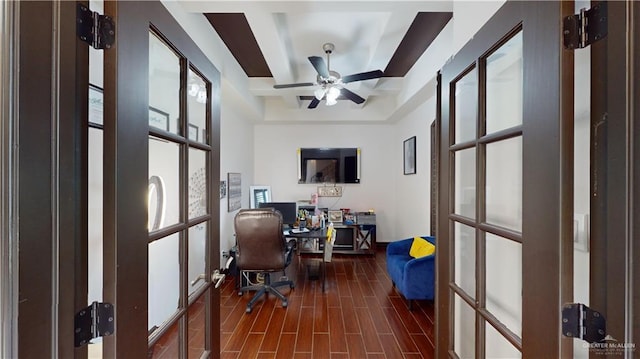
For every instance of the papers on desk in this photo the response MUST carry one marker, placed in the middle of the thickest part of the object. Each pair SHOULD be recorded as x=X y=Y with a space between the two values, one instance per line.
x=298 y=230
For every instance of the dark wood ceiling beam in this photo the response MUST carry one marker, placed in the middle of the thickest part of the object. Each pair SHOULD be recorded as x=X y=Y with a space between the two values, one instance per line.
x=235 y=32
x=426 y=26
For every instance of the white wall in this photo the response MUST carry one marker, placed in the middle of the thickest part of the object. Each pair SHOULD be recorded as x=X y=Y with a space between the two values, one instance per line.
x=468 y=18
x=236 y=155
x=276 y=166
x=413 y=191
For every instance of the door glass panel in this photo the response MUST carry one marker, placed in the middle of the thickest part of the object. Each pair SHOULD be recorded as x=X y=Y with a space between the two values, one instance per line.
x=504 y=287
x=164 y=178
x=196 y=328
x=164 y=86
x=197 y=183
x=94 y=227
x=497 y=346
x=581 y=177
x=464 y=324
x=504 y=86
x=197 y=107
x=465 y=258
x=504 y=183
x=197 y=251
x=95 y=214
x=168 y=346
x=466 y=110
x=465 y=182
x=164 y=279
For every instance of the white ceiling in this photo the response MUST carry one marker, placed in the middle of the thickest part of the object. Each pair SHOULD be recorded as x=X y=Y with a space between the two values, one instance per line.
x=365 y=33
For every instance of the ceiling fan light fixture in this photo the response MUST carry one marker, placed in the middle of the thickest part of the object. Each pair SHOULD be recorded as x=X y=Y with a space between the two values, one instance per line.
x=319 y=93
x=331 y=101
x=330 y=83
x=193 y=89
x=201 y=97
x=333 y=92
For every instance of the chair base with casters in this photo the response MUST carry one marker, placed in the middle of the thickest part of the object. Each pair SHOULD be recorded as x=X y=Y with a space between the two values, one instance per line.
x=266 y=288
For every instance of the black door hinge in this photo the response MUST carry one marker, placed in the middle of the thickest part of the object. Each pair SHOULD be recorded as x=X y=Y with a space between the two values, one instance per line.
x=97 y=30
x=585 y=28
x=93 y=321
x=582 y=322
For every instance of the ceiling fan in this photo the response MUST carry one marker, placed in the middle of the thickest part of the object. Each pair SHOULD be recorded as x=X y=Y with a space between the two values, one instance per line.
x=331 y=84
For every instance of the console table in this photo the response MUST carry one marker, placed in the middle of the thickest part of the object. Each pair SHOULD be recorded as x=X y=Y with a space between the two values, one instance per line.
x=356 y=238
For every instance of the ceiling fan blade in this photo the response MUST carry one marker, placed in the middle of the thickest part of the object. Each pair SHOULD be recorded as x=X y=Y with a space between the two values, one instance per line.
x=301 y=84
x=314 y=103
x=352 y=96
x=320 y=66
x=363 y=76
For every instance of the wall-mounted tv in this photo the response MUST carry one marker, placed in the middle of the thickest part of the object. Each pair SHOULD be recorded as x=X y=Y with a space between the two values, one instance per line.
x=329 y=165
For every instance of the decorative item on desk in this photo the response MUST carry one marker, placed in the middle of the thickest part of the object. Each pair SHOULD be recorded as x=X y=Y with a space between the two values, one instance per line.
x=349 y=219
x=315 y=222
x=335 y=216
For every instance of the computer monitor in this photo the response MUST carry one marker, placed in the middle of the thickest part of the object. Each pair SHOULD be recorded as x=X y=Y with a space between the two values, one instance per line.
x=288 y=210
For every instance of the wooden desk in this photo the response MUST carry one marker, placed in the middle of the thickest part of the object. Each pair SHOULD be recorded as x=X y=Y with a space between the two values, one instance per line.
x=310 y=237
x=319 y=237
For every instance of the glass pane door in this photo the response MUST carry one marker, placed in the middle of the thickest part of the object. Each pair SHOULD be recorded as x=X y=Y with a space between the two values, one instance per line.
x=486 y=217
x=179 y=205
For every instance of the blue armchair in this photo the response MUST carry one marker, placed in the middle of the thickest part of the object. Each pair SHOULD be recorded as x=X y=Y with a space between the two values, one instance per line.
x=414 y=278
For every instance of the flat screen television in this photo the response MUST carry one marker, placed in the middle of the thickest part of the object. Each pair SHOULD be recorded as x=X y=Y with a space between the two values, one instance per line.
x=329 y=165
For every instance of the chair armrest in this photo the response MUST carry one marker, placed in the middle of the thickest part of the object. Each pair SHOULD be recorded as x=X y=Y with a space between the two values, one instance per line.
x=418 y=281
x=420 y=265
x=400 y=247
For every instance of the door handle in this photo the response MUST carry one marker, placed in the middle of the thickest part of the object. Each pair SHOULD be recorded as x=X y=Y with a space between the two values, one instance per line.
x=217 y=278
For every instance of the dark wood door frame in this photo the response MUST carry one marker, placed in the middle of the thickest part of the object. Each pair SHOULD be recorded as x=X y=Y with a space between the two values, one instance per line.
x=433 y=181
x=615 y=174
x=634 y=210
x=52 y=179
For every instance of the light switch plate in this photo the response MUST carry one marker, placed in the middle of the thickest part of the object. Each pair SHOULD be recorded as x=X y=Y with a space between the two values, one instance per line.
x=326 y=191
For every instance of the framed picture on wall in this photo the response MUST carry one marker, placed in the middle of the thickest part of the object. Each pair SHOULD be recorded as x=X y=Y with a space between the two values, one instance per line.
x=409 y=151
x=223 y=189
x=96 y=105
x=158 y=119
x=193 y=132
x=234 y=184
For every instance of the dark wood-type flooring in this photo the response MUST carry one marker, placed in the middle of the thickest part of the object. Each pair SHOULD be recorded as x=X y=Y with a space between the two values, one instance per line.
x=360 y=315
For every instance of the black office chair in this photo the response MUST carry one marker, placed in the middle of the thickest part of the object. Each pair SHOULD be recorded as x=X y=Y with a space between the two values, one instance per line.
x=262 y=249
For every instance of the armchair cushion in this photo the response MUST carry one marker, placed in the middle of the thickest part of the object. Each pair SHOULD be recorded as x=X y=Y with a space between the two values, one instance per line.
x=414 y=278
